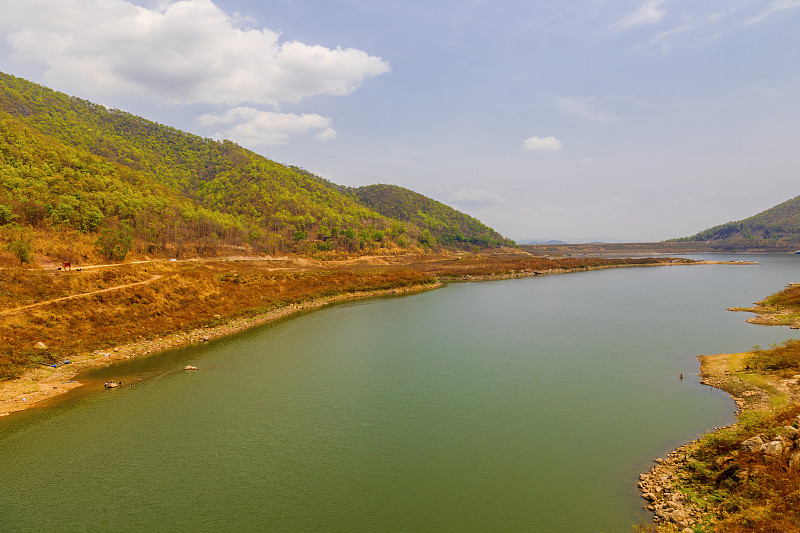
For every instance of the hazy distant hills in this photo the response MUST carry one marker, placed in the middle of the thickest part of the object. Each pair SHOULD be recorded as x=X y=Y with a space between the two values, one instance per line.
x=541 y=241
x=777 y=228
x=72 y=169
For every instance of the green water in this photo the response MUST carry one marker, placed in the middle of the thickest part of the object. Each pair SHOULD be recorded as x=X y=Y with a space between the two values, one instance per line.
x=521 y=405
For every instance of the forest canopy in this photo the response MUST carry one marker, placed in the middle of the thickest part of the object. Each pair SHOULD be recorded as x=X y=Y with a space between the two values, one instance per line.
x=73 y=168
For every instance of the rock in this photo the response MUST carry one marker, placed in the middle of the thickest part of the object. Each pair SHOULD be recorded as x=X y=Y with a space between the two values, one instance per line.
x=649 y=496
x=40 y=346
x=791 y=432
x=753 y=444
x=190 y=367
x=678 y=516
x=773 y=448
x=796 y=422
x=722 y=461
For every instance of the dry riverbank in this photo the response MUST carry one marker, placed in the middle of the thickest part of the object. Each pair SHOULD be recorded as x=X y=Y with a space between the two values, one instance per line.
x=43 y=385
x=97 y=317
x=689 y=490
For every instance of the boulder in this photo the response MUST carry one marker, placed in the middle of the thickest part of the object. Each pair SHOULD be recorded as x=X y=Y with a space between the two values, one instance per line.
x=790 y=432
x=190 y=367
x=40 y=346
x=679 y=517
x=753 y=444
x=774 y=448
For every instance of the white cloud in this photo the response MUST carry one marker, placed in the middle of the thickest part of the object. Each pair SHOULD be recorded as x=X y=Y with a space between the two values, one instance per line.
x=648 y=13
x=328 y=134
x=775 y=7
x=181 y=52
x=546 y=144
x=262 y=128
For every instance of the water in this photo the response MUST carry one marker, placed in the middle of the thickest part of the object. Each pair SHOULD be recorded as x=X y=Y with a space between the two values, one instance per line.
x=519 y=405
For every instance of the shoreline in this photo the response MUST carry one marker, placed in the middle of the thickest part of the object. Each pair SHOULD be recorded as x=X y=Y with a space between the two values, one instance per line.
x=660 y=487
x=43 y=386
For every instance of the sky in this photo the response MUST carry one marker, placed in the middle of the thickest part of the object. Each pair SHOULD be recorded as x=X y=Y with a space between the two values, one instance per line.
x=632 y=120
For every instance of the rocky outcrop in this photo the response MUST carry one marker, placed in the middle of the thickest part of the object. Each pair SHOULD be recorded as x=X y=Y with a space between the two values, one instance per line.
x=661 y=486
x=664 y=500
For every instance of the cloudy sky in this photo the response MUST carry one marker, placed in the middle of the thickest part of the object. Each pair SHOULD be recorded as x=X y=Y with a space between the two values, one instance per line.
x=638 y=120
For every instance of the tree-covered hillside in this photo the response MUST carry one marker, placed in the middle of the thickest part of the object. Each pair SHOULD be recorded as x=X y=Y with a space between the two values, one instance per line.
x=776 y=228
x=442 y=224
x=71 y=168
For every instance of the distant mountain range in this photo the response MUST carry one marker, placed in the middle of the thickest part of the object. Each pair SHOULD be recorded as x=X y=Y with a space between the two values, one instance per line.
x=540 y=241
x=73 y=171
x=777 y=228
x=597 y=240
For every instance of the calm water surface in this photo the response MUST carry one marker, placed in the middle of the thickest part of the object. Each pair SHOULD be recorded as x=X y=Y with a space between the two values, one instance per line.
x=519 y=405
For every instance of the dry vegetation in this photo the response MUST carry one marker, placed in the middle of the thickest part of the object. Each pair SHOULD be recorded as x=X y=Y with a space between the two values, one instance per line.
x=746 y=477
x=80 y=311
x=493 y=266
x=160 y=298
x=779 y=309
x=741 y=489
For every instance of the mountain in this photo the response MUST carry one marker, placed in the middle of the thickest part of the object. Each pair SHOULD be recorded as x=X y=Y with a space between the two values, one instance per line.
x=541 y=241
x=78 y=172
x=777 y=228
x=442 y=224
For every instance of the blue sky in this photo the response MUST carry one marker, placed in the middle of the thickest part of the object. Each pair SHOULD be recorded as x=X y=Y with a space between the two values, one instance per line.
x=639 y=120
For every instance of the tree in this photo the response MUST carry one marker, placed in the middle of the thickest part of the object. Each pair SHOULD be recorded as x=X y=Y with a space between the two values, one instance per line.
x=115 y=242
x=21 y=247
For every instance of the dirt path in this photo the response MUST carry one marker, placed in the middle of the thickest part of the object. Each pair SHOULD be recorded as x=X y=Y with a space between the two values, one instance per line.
x=81 y=295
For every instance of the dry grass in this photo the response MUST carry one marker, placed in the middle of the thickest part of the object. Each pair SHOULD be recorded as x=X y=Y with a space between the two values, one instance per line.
x=157 y=298
x=746 y=491
x=741 y=490
x=188 y=295
x=488 y=265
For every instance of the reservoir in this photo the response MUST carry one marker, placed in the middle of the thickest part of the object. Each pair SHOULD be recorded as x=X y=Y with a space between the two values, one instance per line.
x=525 y=405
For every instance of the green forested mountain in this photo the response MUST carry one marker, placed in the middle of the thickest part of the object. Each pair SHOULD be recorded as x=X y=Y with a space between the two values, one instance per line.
x=775 y=228
x=68 y=165
x=442 y=223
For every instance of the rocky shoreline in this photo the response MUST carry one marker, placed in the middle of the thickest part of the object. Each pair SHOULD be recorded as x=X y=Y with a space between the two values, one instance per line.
x=659 y=489
x=661 y=486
